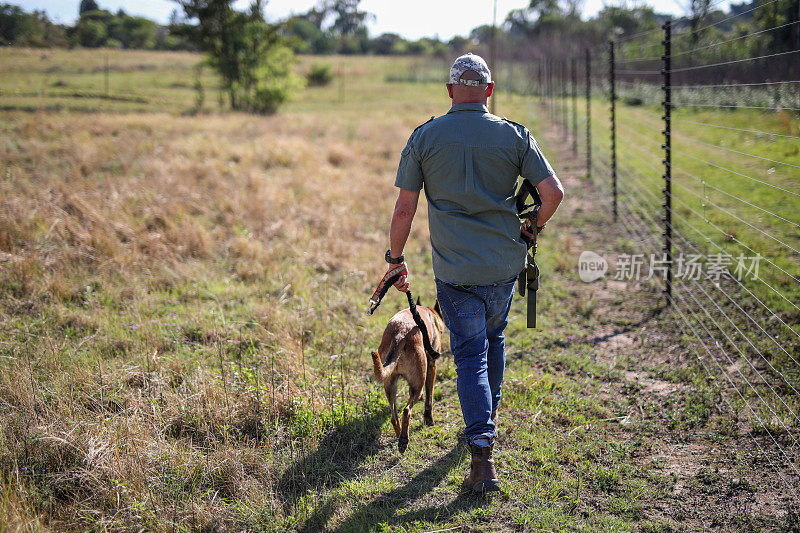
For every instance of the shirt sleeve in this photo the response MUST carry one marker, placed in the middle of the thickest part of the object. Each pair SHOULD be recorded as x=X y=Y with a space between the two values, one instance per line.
x=409 y=171
x=534 y=166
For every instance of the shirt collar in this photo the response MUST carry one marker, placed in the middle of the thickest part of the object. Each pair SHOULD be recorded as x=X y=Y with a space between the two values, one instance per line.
x=468 y=106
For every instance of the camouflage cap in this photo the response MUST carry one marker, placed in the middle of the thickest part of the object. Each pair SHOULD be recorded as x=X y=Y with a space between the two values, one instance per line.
x=470 y=62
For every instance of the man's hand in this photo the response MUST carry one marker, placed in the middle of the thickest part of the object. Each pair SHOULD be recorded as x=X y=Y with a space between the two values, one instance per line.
x=525 y=229
x=402 y=283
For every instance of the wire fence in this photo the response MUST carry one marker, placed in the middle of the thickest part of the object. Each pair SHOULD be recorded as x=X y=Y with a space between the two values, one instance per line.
x=694 y=137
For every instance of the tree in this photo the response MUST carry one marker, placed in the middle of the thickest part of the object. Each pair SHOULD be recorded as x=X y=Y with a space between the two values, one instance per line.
x=19 y=28
x=349 y=19
x=384 y=43
x=248 y=53
x=458 y=44
x=15 y=24
x=316 y=16
x=137 y=32
x=302 y=33
x=91 y=33
x=698 y=9
x=87 y=5
x=545 y=8
x=783 y=16
x=627 y=21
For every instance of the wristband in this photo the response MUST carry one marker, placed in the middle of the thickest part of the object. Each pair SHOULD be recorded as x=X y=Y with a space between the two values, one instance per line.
x=391 y=260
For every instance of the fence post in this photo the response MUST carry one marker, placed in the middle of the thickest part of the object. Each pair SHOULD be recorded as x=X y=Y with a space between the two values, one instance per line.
x=564 y=106
x=541 y=82
x=550 y=99
x=612 y=84
x=667 y=87
x=547 y=85
x=550 y=88
x=341 y=82
x=588 y=114
x=574 y=73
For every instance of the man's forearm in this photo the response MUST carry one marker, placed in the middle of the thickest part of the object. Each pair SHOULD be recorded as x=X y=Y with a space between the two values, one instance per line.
x=547 y=210
x=401 y=227
x=551 y=192
x=404 y=209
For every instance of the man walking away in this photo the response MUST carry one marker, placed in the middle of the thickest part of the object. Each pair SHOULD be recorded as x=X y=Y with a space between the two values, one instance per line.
x=469 y=162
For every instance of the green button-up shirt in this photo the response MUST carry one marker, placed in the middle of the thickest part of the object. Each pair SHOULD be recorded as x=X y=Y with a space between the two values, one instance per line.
x=469 y=161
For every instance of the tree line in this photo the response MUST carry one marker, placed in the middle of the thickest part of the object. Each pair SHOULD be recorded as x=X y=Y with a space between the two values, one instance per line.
x=543 y=28
x=95 y=27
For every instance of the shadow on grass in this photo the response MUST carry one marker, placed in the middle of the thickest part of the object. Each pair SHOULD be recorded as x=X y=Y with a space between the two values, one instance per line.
x=383 y=510
x=335 y=460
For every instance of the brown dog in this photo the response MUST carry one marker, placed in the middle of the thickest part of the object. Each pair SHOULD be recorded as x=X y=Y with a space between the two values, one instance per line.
x=402 y=353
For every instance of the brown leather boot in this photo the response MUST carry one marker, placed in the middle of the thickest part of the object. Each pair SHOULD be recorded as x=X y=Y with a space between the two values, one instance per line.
x=482 y=476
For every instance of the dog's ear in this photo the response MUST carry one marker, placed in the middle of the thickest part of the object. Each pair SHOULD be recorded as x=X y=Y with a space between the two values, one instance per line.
x=437 y=309
x=417 y=300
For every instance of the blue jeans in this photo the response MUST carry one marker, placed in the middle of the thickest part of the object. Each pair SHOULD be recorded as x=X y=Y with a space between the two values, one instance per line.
x=476 y=316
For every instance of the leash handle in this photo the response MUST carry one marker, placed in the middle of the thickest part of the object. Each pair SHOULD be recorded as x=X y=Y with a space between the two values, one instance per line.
x=389 y=279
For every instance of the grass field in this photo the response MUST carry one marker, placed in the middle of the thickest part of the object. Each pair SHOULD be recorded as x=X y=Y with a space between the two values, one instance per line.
x=183 y=344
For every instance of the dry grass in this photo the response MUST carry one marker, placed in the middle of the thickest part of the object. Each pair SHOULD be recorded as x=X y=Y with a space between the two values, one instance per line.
x=130 y=241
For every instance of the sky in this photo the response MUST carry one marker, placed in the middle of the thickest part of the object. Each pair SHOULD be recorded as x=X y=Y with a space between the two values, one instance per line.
x=410 y=18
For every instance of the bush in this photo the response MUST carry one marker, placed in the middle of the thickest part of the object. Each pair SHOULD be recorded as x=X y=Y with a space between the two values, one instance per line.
x=249 y=54
x=275 y=82
x=319 y=75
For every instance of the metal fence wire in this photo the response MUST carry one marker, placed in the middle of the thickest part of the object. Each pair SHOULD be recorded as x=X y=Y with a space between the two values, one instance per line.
x=694 y=136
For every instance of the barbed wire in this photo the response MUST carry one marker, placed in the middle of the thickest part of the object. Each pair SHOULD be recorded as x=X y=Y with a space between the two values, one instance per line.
x=678 y=233
x=639 y=72
x=766 y=234
x=764 y=402
x=712 y=45
x=676 y=309
x=731 y=62
x=721 y=85
x=697 y=31
x=757 y=132
x=734 y=151
x=718 y=106
x=742 y=398
x=727 y=235
x=733 y=196
x=740 y=174
x=711 y=241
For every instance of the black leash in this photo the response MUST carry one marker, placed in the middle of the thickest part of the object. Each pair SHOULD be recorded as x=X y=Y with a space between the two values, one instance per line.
x=432 y=354
x=528 y=280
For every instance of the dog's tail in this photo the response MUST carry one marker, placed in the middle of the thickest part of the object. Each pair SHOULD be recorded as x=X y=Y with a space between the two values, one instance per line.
x=381 y=370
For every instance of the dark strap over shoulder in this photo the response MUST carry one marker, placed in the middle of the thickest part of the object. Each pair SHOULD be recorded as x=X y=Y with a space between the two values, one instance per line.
x=528 y=281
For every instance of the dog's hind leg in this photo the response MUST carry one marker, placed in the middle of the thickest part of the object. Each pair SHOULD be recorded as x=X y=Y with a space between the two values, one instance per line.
x=390 y=387
x=402 y=442
x=430 y=379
